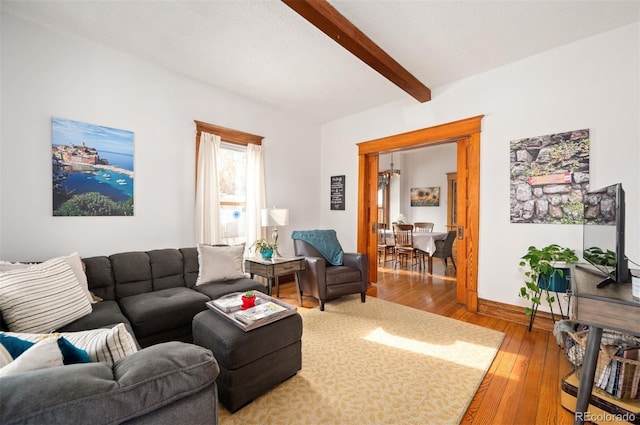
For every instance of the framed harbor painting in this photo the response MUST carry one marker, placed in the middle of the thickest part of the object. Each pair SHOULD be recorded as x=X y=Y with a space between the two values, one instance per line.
x=425 y=196
x=92 y=169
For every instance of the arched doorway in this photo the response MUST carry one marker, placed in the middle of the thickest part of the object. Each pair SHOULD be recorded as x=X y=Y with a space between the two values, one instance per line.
x=466 y=134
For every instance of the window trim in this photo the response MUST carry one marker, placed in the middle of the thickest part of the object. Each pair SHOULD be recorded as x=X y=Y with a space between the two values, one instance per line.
x=226 y=134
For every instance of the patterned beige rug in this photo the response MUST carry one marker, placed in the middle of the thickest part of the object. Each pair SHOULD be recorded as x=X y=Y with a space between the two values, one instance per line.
x=377 y=363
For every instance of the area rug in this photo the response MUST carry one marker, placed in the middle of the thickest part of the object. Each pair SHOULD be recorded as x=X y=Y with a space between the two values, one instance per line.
x=377 y=363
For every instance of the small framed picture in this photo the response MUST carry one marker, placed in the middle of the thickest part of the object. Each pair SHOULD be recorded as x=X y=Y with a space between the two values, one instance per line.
x=425 y=197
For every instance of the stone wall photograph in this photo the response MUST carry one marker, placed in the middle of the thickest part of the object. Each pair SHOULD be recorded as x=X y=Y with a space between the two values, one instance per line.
x=549 y=178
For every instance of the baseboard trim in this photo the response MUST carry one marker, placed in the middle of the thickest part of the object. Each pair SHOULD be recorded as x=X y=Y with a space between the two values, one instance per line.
x=514 y=313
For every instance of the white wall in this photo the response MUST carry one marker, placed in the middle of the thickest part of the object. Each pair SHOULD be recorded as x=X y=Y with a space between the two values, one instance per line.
x=593 y=83
x=45 y=73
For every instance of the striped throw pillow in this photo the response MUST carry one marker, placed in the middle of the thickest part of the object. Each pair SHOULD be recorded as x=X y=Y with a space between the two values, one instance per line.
x=103 y=345
x=42 y=297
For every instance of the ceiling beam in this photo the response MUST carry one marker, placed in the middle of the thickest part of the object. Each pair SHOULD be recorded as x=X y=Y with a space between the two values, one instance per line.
x=328 y=20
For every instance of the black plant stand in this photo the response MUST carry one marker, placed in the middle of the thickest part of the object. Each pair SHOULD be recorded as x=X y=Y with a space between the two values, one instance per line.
x=534 y=308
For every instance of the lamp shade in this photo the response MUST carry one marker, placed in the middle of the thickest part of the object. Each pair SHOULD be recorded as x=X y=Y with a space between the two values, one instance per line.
x=274 y=217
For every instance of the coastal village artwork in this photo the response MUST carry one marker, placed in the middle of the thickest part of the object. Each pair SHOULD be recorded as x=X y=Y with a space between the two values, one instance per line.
x=92 y=169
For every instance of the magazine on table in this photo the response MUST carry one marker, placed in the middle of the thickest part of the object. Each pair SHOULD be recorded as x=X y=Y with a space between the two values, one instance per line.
x=259 y=312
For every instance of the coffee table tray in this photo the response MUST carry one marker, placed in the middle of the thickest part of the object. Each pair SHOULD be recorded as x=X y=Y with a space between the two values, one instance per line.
x=284 y=310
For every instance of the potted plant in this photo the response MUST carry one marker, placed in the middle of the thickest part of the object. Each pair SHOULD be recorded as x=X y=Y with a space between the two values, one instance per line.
x=547 y=271
x=264 y=247
x=248 y=300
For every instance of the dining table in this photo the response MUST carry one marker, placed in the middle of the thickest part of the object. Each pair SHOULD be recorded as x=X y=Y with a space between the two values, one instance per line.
x=423 y=241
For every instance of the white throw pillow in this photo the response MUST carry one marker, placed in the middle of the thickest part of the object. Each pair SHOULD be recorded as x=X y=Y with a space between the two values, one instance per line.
x=103 y=345
x=219 y=263
x=78 y=269
x=5 y=266
x=42 y=297
x=43 y=354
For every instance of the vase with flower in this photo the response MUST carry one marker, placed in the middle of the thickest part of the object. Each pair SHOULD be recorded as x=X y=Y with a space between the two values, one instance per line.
x=265 y=248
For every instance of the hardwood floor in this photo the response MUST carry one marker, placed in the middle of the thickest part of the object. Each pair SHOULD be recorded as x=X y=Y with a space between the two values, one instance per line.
x=523 y=384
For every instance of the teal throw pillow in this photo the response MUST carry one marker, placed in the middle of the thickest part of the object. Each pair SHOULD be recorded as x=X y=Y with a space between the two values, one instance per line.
x=15 y=346
x=72 y=354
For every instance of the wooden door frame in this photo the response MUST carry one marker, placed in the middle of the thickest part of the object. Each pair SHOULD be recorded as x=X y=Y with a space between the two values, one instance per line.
x=466 y=134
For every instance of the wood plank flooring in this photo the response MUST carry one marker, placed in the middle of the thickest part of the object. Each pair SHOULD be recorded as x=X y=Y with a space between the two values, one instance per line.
x=523 y=384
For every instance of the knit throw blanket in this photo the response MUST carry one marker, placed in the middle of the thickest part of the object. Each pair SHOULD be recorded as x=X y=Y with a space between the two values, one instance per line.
x=325 y=241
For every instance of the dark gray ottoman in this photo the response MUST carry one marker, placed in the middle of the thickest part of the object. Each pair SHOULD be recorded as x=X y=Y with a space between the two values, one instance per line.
x=251 y=363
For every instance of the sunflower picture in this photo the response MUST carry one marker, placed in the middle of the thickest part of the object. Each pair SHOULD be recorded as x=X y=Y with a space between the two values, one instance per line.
x=425 y=197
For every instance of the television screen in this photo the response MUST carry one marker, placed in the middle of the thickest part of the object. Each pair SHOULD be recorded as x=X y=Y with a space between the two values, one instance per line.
x=603 y=233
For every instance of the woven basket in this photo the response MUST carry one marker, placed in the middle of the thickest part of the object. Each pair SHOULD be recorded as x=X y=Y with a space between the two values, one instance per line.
x=616 y=375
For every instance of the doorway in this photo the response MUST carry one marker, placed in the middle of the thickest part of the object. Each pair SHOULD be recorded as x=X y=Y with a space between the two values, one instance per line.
x=466 y=134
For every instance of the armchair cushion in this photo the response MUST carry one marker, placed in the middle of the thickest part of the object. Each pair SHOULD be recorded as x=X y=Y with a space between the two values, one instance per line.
x=342 y=274
x=325 y=241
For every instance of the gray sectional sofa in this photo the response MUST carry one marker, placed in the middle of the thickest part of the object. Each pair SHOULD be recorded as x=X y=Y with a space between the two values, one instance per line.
x=168 y=381
x=152 y=292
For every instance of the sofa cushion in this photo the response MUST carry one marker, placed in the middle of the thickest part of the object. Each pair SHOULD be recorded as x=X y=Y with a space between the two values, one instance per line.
x=167 y=268
x=97 y=393
x=131 y=273
x=42 y=297
x=12 y=347
x=40 y=355
x=219 y=263
x=104 y=314
x=236 y=285
x=50 y=351
x=78 y=269
x=191 y=266
x=102 y=345
x=159 y=311
x=100 y=277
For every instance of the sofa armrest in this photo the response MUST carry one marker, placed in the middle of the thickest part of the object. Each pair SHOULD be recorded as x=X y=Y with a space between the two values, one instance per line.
x=97 y=393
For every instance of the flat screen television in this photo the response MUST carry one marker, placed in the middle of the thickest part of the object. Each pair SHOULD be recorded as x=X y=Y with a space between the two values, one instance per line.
x=603 y=234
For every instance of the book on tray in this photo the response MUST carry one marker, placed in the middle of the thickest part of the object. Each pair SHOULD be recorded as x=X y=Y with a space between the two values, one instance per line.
x=259 y=312
x=232 y=302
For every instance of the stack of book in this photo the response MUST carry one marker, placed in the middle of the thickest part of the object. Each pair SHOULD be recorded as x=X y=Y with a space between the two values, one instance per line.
x=619 y=378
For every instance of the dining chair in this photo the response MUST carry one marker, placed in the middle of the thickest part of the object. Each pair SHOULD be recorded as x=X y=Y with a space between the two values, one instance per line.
x=384 y=247
x=423 y=226
x=444 y=249
x=403 y=241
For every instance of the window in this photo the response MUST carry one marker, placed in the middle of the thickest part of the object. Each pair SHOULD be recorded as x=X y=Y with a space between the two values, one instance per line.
x=232 y=179
x=228 y=202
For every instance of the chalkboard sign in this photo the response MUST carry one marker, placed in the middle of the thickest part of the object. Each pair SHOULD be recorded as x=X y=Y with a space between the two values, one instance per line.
x=337 y=192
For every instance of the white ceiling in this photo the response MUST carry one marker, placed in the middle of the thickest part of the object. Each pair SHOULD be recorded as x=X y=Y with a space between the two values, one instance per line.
x=263 y=50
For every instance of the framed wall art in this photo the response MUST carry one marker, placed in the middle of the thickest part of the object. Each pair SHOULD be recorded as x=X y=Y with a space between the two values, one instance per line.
x=549 y=178
x=92 y=169
x=337 y=192
x=425 y=197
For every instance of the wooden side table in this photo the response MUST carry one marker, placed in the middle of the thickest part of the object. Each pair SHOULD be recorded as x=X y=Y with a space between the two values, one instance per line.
x=271 y=269
x=612 y=307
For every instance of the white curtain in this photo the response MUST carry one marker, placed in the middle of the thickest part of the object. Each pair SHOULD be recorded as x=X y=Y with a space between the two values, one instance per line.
x=255 y=192
x=207 y=199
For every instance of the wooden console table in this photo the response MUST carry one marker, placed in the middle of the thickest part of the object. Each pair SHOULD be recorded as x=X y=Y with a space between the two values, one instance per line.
x=611 y=307
x=271 y=269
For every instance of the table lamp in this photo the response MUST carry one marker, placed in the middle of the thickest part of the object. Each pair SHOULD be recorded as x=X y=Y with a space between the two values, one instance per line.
x=274 y=217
